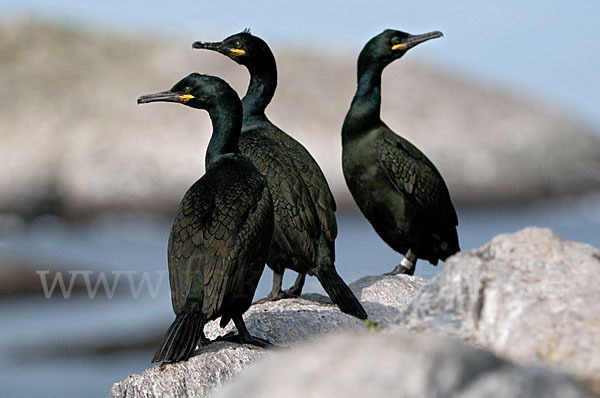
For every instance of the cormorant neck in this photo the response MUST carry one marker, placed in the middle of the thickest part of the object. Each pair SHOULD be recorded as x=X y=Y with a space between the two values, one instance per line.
x=365 y=110
x=226 y=120
x=263 y=81
x=369 y=81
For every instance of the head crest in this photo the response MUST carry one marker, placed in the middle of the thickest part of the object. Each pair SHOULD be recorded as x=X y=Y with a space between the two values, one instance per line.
x=247 y=30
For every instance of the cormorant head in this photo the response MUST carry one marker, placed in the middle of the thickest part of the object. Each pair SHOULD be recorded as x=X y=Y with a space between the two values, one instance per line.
x=195 y=90
x=391 y=44
x=243 y=48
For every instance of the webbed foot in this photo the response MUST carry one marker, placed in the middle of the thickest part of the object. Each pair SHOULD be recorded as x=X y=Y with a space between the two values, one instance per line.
x=245 y=339
x=407 y=265
x=283 y=294
x=204 y=341
x=401 y=269
x=296 y=289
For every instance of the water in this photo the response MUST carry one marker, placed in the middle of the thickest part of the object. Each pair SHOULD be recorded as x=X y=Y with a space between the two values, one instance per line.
x=41 y=339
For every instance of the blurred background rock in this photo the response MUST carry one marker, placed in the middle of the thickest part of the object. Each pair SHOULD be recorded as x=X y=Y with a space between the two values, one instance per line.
x=505 y=105
x=75 y=142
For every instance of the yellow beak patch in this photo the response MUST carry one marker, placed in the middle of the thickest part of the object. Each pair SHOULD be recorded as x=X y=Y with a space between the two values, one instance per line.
x=399 y=47
x=237 y=51
x=186 y=97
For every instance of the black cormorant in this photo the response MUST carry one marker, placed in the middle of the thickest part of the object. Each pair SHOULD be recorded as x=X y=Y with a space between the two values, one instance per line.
x=395 y=185
x=222 y=231
x=305 y=224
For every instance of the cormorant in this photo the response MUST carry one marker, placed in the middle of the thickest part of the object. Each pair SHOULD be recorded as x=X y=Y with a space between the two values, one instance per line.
x=394 y=184
x=222 y=231
x=305 y=224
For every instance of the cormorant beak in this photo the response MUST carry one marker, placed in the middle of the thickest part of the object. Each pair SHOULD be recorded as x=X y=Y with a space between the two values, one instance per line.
x=165 y=96
x=414 y=40
x=218 y=47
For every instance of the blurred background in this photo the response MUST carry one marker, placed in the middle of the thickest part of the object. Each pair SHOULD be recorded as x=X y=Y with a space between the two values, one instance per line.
x=506 y=105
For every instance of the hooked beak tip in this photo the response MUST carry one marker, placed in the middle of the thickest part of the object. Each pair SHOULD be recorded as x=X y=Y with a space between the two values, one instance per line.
x=199 y=45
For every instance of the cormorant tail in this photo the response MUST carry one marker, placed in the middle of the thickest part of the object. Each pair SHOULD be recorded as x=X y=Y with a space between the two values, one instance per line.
x=339 y=292
x=181 y=339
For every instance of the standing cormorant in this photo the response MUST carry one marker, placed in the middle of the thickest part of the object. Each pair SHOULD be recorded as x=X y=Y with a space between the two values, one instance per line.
x=305 y=224
x=395 y=185
x=222 y=231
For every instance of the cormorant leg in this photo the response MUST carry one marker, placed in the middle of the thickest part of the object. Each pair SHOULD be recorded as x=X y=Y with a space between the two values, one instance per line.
x=296 y=289
x=276 y=292
x=406 y=266
x=243 y=336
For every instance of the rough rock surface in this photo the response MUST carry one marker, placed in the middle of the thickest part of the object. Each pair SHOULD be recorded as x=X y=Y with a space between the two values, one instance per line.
x=385 y=297
x=398 y=364
x=283 y=323
x=529 y=296
x=77 y=154
x=193 y=378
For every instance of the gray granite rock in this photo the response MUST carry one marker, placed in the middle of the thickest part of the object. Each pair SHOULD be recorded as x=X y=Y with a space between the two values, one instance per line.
x=385 y=297
x=530 y=296
x=193 y=378
x=398 y=364
x=525 y=382
x=286 y=322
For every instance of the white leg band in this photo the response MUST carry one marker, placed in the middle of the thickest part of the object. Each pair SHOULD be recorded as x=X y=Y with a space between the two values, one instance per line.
x=406 y=263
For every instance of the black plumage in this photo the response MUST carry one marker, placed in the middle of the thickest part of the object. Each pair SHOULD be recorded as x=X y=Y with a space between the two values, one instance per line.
x=395 y=185
x=222 y=230
x=305 y=224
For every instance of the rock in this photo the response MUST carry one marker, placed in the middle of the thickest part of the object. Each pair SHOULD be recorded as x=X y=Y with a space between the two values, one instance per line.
x=385 y=297
x=530 y=296
x=398 y=364
x=523 y=381
x=282 y=322
x=86 y=153
x=286 y=322
x=192 y=378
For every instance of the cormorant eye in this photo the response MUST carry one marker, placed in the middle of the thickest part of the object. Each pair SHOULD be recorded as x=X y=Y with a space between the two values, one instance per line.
x=395 y=40
x=188 y=90
x=238 y=45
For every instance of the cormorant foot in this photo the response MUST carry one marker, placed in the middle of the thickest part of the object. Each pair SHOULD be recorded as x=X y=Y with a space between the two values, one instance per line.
x=401 y=269
x=293 y=292
x=284 y=294
x=248 y=339
x=204 y=341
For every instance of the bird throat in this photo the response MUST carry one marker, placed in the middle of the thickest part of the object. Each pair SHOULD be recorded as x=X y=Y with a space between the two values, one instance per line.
x=263 y=81
x=227 y=123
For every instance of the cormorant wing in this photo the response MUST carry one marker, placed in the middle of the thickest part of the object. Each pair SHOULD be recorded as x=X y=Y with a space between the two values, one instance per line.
x=209 y=240
x=413 y=174
x=316 y=183
x=296 y=219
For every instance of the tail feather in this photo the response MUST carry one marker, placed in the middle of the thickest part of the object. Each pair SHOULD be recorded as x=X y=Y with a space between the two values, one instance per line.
x=340 y=293
x=181 y=339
